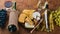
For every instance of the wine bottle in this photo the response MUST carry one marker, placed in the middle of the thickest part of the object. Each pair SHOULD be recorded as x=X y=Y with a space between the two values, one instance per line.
x=13 y=21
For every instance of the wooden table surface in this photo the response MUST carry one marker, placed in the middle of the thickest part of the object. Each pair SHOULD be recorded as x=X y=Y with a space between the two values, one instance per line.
x=24 y=31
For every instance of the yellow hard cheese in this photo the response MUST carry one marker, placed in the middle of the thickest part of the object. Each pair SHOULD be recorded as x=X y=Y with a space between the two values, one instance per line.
x=24 y=14
x=22 y=18
x=29 y=13
x=29 y=21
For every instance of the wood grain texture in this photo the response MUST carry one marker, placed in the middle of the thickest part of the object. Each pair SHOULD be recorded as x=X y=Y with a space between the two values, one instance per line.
x=31 y=4
x=22 y=4
x=26 y=4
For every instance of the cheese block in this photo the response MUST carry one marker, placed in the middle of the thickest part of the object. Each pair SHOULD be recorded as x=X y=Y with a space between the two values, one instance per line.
x=29 y=13
x=22 y=18
x=24 y=14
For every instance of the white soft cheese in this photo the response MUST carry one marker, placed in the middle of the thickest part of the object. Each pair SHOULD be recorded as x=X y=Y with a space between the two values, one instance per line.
x=36 y=15
x=27 y=25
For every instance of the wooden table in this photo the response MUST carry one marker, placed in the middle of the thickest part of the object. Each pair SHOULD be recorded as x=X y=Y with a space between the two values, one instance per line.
x=24 y=31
